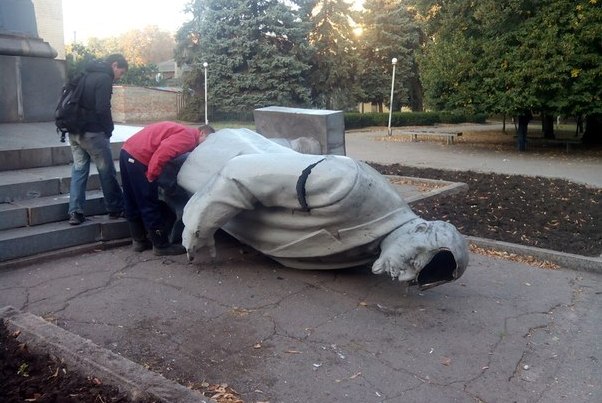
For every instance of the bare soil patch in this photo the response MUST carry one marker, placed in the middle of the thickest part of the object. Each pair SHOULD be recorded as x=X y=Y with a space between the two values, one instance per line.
x=546 y=213
x=26 y=376
x=29 y=377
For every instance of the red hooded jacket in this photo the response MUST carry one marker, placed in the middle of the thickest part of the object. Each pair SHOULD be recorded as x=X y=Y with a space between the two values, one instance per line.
x=159 y=143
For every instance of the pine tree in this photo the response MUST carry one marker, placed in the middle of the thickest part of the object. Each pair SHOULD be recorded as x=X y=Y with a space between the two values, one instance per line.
x=256 y=51
x=389 y=32
x=334 y=63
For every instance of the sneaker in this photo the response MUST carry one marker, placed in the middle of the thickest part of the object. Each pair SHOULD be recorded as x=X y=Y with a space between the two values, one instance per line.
x=76 y=218
x=113 y=215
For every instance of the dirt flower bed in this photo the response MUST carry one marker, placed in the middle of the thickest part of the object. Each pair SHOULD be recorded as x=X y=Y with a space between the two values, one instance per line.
x=29 y=377
x=546 y=213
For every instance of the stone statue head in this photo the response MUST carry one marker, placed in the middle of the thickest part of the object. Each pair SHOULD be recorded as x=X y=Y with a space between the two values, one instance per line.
x=423 y=253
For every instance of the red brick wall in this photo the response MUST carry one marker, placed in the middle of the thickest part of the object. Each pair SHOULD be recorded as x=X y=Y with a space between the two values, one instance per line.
x=139 y=104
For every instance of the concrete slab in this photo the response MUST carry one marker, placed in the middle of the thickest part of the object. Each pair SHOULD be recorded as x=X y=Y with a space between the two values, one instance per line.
x=55 y=208
x=569 y=260
x=20 y=242
x=23 y=184
x=12 y=216
x=326 y=126
x=17 y=136
x=503 y=332
x=29 y=190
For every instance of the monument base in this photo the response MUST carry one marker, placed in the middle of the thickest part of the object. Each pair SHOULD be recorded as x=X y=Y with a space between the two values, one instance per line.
x=326 y=126
x=30 y=88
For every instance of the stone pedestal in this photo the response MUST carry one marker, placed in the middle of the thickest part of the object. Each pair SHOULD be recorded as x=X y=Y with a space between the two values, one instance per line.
x=31 y=79
x=30 y=88
x=327 y=127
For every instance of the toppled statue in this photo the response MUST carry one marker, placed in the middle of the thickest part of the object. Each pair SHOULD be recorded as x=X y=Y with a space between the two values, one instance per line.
x=311 y=211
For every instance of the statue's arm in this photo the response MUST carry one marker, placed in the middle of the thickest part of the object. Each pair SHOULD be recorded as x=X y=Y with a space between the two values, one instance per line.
x=207 y=210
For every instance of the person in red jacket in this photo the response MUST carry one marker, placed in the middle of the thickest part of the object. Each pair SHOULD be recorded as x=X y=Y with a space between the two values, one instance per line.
x=141 y=161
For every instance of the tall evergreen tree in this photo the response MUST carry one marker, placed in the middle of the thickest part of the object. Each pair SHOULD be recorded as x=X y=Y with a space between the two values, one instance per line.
x=334 y=69
x=388 y=32
x=256 y=51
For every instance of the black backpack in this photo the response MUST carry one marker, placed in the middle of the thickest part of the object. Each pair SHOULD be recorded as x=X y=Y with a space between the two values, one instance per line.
x=69 y=114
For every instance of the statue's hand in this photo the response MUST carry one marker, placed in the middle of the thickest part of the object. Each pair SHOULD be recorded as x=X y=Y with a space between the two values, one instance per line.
x=394 y=266
x=193 y=244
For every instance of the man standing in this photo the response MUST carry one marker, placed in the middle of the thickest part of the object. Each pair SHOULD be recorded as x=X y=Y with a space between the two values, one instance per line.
x=141 y=161
x=93 y=143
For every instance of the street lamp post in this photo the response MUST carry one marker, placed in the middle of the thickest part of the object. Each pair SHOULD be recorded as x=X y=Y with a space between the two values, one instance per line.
x=206 y=119
x=394 y=61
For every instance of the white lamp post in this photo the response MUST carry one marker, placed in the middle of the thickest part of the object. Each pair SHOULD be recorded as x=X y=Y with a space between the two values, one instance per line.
x=205 y=66
x=394 y=61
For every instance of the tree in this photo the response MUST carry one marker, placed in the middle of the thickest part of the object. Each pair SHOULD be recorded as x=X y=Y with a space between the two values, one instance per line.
x=140 y=47
x=141 y=75
x=513 y=56
x=256 y=52
x=146 y=46
x=334 y=65
x=77 y=56
x=388 y=31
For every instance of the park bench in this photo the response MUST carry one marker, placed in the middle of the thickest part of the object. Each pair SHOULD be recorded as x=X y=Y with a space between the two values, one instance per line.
x=449 y=136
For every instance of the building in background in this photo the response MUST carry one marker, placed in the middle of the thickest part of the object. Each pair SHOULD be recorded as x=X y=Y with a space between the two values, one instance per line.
x=49 y=17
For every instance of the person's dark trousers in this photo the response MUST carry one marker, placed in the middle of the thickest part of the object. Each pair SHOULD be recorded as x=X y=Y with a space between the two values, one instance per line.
x=141 y=197
x=141 y=202
x=174 y=196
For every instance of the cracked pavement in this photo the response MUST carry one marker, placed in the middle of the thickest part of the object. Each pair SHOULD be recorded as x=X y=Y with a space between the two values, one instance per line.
x=504 y=332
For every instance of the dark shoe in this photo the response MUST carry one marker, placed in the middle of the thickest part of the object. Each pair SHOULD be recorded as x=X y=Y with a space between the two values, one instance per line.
x=171 y=250
x=140 y=242
x=141 y=246
x=113 y=215
x=162 y=247
x=76 y=218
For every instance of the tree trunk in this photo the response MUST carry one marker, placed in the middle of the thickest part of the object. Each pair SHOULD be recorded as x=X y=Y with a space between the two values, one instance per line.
x=547 y=126
x=593 y=129
x=521 y=132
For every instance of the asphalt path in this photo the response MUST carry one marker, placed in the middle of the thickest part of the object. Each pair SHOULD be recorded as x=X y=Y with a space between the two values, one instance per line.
x=504 y=332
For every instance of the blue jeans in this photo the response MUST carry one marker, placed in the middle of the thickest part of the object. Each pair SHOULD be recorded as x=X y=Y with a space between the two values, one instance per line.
x=95 y=147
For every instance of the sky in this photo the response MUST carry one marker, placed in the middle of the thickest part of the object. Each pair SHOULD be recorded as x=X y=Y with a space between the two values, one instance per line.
x=104 y=18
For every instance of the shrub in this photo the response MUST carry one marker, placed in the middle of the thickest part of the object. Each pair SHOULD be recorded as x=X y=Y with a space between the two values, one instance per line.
x=356 y=120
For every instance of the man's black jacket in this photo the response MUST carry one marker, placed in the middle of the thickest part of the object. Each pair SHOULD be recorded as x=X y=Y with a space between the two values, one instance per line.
x=96 y=98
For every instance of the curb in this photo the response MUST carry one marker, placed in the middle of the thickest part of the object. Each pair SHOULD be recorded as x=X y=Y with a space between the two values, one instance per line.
x=64 y=252
x=91 y=360
x=567 y=260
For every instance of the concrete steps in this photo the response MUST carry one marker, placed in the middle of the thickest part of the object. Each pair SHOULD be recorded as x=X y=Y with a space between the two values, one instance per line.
x=33 y=213
x=27 y=241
